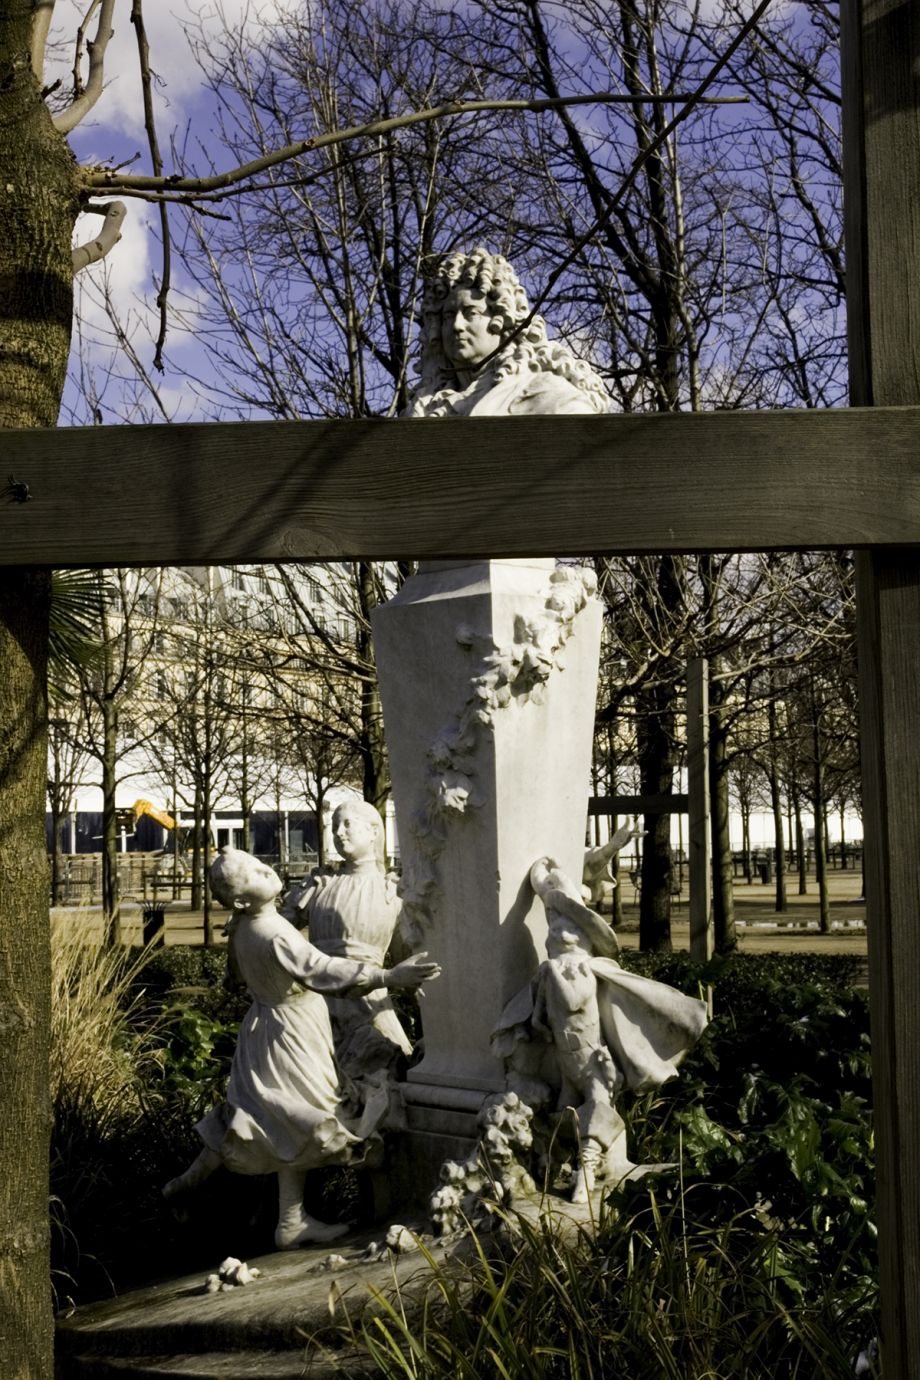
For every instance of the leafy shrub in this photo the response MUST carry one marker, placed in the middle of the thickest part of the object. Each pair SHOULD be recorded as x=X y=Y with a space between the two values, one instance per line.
x=772 y=1111
x=751 y=1253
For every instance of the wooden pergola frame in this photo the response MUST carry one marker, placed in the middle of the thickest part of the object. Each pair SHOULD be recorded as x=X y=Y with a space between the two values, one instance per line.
x=501 y=487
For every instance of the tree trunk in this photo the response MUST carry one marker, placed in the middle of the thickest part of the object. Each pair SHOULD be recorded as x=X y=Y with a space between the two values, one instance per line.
x=318 y=802
x=746 y=867
x=38 y=179
x=820 y=831
x=245 y=793
x=57 y=851
x=776 y=805
x=111 y=901
x=656 y=775
x=616 y=874
x=38 y=205
x=207 y=924
x=195 y=886
x=25 y=1296
x=800 y=841
x=656 y=709
x=723 y=897
x=376 y=772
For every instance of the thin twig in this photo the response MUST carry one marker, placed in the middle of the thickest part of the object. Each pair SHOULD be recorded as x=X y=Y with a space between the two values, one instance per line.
x=79 y=41
x=156 y=161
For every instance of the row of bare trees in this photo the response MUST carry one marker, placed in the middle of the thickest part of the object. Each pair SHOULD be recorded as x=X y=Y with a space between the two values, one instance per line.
x=698 y=264
x=218 y=698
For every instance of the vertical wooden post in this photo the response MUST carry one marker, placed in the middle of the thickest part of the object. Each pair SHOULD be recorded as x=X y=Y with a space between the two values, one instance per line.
x=881 y=59
x=701 y=927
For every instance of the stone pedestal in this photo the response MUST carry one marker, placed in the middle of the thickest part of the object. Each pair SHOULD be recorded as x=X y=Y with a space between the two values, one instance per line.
x=488 y=675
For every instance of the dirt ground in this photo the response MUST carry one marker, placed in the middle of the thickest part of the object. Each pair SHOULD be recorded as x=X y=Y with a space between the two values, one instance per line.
x=760 y=929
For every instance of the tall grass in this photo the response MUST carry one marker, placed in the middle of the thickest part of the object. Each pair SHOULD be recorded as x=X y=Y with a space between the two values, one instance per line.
x=653 y=1297
x=99 y=1067
x=96 y=1055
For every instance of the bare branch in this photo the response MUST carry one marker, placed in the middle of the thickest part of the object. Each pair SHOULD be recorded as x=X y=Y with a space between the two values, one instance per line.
x=79 y=40
x=648 y=151
x=85 y=99
x=127 y=186
x=42 y=13
x=143 y=50
x=94 y=250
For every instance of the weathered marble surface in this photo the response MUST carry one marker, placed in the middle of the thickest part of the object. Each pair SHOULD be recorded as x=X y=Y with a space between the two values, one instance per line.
x=482 y=354
x=354 y=915
x=584 y=1028
x=284 y=1109
x=488 y=675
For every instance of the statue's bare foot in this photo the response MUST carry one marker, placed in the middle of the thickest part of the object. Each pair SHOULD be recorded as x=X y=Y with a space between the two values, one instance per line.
x=306 y=1230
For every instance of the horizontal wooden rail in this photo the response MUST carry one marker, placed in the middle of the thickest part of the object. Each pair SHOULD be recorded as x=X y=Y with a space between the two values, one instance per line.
x=675 y=804
x=460 y=487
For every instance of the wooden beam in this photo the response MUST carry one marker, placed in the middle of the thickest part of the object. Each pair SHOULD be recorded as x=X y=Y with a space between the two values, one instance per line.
x=881 y=62
x=702 y=931
x=491 y=486
x=638 y=804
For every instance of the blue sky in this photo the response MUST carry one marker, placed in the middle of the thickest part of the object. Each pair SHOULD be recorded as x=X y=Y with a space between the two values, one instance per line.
x=113 y=131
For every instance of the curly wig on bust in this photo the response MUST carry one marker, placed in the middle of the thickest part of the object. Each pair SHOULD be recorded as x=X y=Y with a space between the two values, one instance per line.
x=506 y=302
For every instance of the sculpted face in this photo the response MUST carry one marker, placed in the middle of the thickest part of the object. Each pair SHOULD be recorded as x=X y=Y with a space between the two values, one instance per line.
x=465 y=335
x=353 y=835
x=249 y=882
x=564 y=936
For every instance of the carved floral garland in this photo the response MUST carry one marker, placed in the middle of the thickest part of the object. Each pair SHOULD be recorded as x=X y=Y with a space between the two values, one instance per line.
x=519 y=672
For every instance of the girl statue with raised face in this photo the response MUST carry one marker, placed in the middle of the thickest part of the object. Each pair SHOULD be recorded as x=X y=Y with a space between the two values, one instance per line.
x=475 y=361
x=286 y=1109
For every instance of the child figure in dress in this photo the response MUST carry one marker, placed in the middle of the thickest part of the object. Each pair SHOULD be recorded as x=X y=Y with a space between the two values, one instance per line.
x=354 y=915
x=585 y=1027
x=283 y=1110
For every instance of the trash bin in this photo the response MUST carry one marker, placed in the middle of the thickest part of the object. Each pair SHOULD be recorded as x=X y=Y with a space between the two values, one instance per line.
x=766 y=872
x=154 y=925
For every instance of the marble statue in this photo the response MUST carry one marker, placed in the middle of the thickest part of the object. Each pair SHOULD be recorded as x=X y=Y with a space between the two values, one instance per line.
x=585 y=1028
x=486 y=668
x=354 y=915
x=596 y=866
x=482 y=356
x=493 y=1176
x=284 y=1110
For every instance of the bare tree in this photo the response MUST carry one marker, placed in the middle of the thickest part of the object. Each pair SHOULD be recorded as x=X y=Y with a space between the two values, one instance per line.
x=127 y=615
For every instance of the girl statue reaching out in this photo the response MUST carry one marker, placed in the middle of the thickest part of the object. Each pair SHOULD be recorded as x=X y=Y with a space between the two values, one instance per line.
x=283 y=1111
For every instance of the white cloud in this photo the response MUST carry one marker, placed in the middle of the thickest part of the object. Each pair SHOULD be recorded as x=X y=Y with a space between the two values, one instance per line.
x=178 y=83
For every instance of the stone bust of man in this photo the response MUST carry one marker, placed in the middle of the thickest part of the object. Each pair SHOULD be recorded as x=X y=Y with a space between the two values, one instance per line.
x=472 y=363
